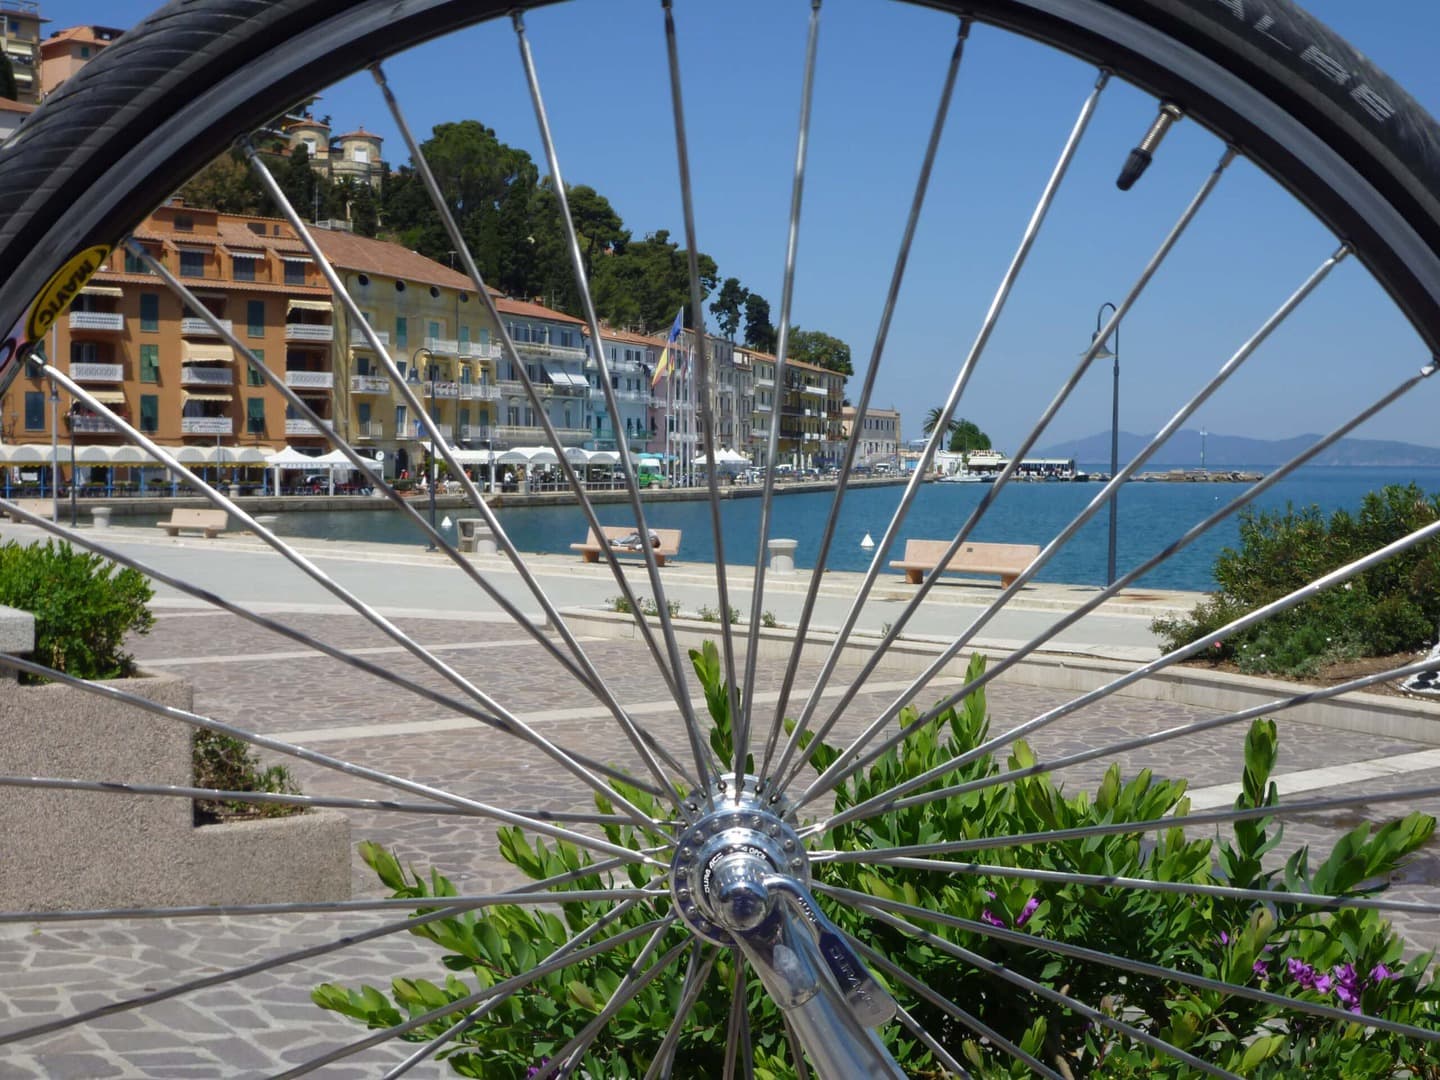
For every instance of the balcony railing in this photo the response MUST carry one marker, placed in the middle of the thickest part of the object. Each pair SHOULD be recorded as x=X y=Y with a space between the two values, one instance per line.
x=206 y=376
x=301 y=426
x=442 y=389
x=207 y=425
x=194 y=326
x=359 y=341
x=442 y=346
x=559 y=352
x=370 y=429
x=91 y=425
x=507 y=435
x=97 y=372
x=475 y=432
x=480 y=391
x=369 y=384
x=310 y=380
x=96 y=320
x=481 y=350
x=309 y=332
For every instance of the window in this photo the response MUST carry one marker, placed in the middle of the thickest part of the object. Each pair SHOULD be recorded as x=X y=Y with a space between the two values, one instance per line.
x=402 y=332
x=255 y=318
x=192 y=263
x=184 y=223
x=484 y=335
x=150 y=413
x=252 y=376
x=150 y=363
x=362 y=155
x=400 y=425
x=464 y=419
x=150 y=311
x=134 y=264
x=400 y=364
x=294 y=273
x=362 y=413
x=84 y=352
x=464 y=333
x=34 y=410
x=243 y=268
x=255 y=415
x=433 y=330
x=84 y=52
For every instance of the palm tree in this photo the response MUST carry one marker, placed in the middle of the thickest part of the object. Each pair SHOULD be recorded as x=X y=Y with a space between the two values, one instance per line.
x=933 y=418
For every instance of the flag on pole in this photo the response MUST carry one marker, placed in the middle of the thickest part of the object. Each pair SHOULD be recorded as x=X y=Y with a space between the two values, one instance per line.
x=666 y=361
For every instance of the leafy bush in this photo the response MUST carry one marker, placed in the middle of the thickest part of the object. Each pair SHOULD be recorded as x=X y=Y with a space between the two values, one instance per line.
x=226 y=763
x=83 y=604
x=1389 y=609
x=711 y=614
x=1351 y=959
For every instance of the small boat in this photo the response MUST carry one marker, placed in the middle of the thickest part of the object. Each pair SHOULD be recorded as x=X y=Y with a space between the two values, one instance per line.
x=965 y=478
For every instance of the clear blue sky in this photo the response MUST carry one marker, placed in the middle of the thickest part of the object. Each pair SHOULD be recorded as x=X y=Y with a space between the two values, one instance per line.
x=603 y=72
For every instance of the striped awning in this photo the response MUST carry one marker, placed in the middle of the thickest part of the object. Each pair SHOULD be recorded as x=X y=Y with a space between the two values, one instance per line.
x=204 y=395
x=234 y=254
x=101 y=290
x=310 y=305
x=196 y=352
x=296 y=258
x=108 y=397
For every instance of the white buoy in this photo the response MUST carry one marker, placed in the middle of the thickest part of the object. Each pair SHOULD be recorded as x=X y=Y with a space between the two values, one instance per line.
x=445 y=523
x=867 y=542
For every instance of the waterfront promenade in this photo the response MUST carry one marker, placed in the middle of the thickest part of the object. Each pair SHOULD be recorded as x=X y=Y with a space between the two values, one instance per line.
x=248 y=677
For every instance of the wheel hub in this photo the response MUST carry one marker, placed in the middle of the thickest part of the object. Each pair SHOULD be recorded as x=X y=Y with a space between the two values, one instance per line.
x=722 y=858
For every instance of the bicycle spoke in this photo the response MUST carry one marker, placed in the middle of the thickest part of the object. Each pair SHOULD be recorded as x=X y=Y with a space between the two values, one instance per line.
x=1304 y=592
x=872 y=370
x=1141 y=742
x=945 y=1005
x=933 y=1044
x=228 y=975
x=1207 y=818
x=787 y=292
x=696 y=976
x=1109 y=492
x=116 y=695
x=917 y=478
x=739 y=1057
x=500 y=990
x=705 y=771
x=519 y=730
x=592 y=679
x=870 y=908
x=569 y=1056
x=435 y=1044
x=888 y=909
x=740 y=718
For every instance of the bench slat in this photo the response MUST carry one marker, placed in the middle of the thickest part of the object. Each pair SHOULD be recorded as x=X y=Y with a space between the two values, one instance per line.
x=1006 y=560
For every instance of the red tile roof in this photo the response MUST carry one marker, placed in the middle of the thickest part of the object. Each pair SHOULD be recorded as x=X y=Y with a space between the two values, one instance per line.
x=386 y=259
x=507 y=306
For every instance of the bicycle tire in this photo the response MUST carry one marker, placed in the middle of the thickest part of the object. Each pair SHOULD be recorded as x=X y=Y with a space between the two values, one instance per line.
x=109 y=145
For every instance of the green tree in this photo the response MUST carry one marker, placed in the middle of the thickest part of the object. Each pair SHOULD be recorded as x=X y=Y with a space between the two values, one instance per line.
x=933 y=420
x=652 y=278
x=301 y=186
x=227 y=184
x=8 y=88
x=729 y=305
x=965 y=435
x=822 y=350
x=760 y=332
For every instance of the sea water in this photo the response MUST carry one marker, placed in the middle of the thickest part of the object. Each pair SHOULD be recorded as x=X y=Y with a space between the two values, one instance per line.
x=1150 y=517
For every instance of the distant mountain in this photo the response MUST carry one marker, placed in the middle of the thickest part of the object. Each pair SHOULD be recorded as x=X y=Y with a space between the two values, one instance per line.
x=1230 y=451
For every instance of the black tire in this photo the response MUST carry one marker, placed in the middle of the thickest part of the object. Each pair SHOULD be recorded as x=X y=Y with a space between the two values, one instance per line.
x=174 y=92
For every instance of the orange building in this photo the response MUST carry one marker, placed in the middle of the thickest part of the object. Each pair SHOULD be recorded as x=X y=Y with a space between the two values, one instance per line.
x=66 y=51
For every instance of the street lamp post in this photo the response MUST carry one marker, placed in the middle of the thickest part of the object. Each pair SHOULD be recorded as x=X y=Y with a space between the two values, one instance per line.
x=1114 y=430
x=430 y=465
x=70 y=424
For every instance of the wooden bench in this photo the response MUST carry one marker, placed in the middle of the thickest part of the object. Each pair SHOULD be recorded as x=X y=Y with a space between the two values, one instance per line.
x=210 y=522
x=42 y=508
x=1007 y=560
x=591 y=548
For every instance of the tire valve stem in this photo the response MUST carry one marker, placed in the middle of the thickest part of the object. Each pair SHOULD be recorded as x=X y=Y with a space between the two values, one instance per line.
x=1140 y=158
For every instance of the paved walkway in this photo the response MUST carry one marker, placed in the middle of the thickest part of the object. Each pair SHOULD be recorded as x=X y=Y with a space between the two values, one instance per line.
x=249 y=677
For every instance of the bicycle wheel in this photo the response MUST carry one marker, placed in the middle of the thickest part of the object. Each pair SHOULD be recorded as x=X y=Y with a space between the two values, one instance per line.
x=714 y=847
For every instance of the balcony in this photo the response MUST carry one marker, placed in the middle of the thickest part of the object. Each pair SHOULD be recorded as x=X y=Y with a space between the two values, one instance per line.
x=310 y=380
x=557 y=352
x=206 y=376
x=193 y=326
x=442 y=346
x=480 y=350
x=97 y=372
x=96 y=320
x=207 y=425
x=507 y=435
x=475 y=432
x=369 y=384
x=358 y=339
x=294 y=426
x=442 y=389
x=480 y=391
x=91 y=425
x=812 y=389
x=370 y=429
x=309 y=332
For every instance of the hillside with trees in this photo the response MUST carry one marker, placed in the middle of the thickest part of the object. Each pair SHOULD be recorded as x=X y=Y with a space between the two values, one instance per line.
x=509 y=216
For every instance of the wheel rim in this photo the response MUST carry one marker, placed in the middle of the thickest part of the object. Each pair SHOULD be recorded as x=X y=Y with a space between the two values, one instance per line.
x=757 y=796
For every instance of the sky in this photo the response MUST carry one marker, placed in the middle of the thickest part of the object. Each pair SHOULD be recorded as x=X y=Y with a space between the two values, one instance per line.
x=603 y=74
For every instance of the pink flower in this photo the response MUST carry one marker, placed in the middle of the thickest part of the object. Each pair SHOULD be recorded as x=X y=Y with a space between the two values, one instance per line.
x=1380 y=973
x=1260 y=968
x=987 y=916
x=1027 y=911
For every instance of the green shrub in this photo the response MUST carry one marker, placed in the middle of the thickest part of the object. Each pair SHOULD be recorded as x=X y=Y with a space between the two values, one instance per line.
x=1392 y=608
x=1276 y=946
x=84 y=605
x=226 y=763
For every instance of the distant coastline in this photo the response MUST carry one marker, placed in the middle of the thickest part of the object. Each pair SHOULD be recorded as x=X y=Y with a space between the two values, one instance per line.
x=1184 y=450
